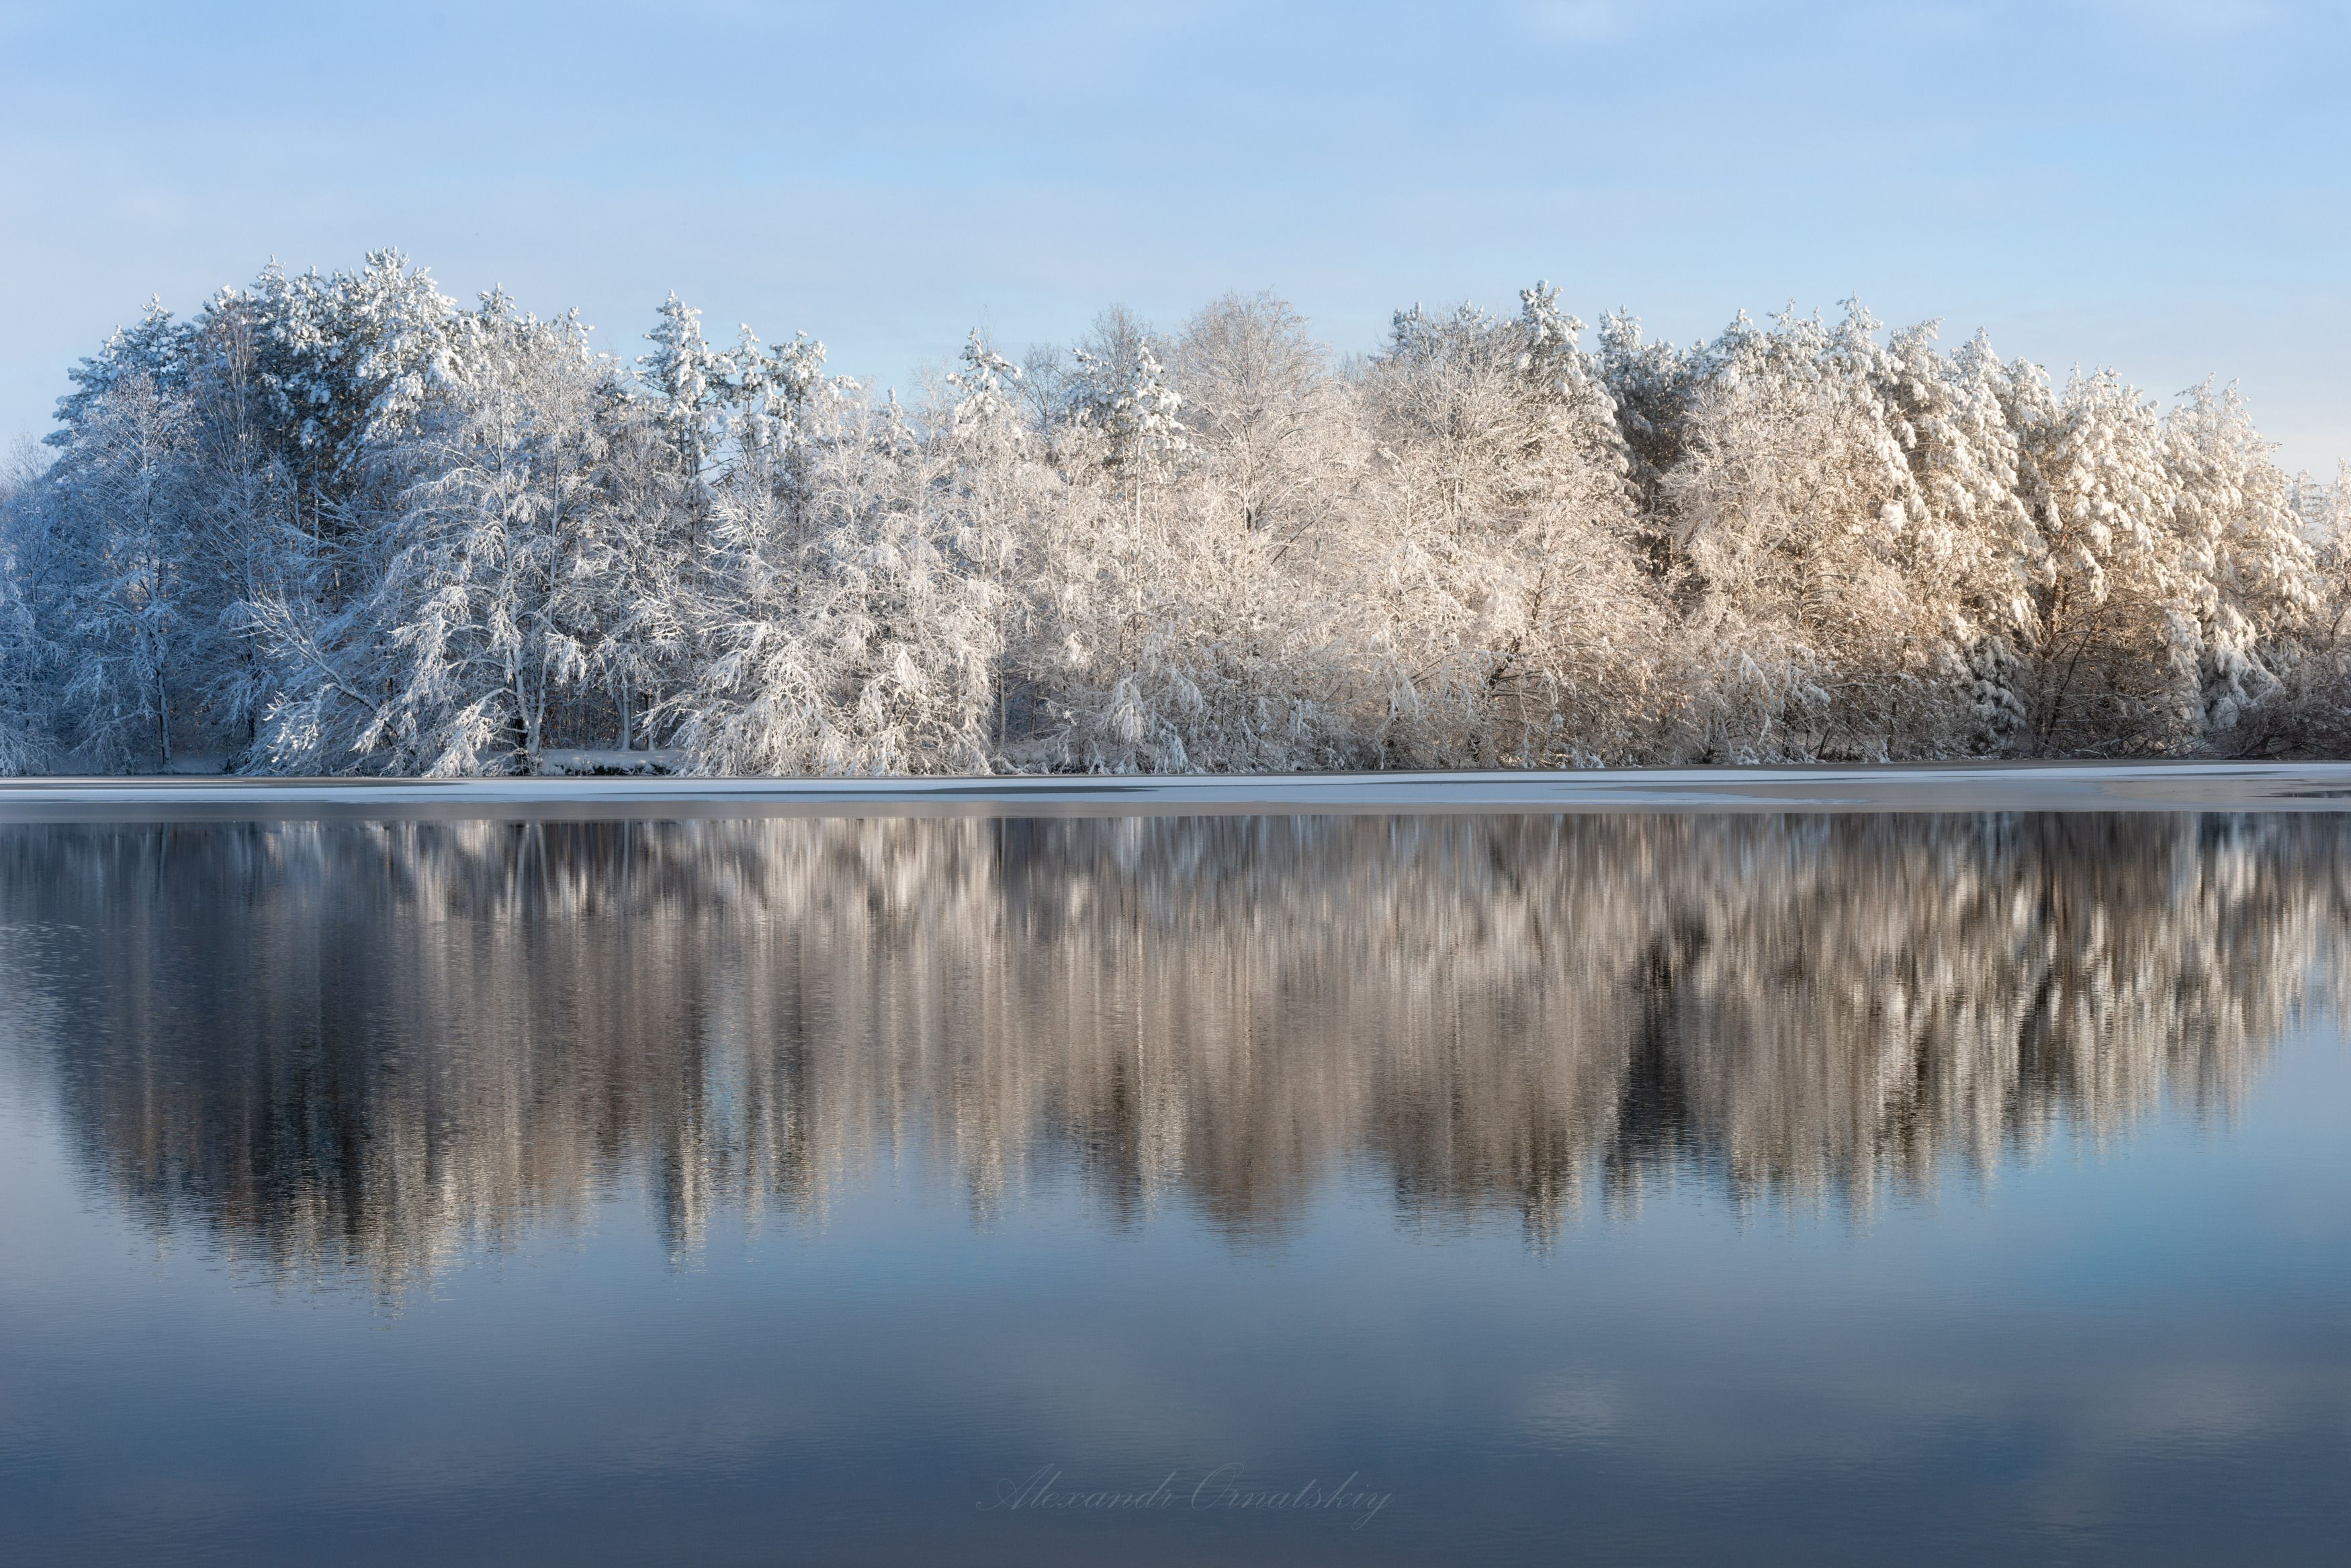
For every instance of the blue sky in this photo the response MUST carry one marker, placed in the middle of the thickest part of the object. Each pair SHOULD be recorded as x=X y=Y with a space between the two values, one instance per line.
x=2160 y=187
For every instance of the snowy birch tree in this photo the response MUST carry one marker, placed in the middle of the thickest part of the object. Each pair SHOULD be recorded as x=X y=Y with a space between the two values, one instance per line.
x=1271 y=444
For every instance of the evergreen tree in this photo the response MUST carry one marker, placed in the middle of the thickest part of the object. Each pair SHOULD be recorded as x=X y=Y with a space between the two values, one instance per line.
x=686 y=381
x=1130 y=406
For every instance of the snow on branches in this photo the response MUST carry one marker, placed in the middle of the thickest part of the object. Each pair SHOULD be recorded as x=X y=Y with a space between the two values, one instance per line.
x=337 y=524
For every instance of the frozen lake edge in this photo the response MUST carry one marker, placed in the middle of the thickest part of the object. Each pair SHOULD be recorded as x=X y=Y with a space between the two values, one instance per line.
x=1934 y=787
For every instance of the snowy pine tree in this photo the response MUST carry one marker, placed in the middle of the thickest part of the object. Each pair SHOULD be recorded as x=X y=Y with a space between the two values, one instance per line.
x=686 y=381
x=1130 y=406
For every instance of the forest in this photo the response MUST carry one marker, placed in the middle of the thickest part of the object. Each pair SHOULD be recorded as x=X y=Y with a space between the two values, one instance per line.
x=337 y=524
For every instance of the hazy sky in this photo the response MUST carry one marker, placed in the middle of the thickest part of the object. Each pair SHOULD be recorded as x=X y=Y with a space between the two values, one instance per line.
x=2162 y=187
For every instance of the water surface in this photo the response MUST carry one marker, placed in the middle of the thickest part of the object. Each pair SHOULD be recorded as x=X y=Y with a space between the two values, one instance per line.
x=1250 y=1190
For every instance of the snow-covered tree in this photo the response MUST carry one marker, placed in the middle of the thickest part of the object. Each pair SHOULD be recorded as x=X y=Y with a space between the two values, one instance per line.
x=246 y=539
x=982 y=415
x=853 y=637
x=1508 y=600
x=1483 y=421
x=351 y=361
x=772 y=394
x=1650 y=384
x=2246 y=577
x=1790 y=503
x=2112 y=647
x=156 y=348
x=1128 y=406
x=28 y=659
x=123 y=511
x=493 y=604
x=1272 y=446
x=1963 y=524
x=685 y=380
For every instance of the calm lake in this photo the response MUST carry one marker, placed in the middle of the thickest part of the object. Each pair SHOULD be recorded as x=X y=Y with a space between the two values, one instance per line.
x=1233 y=1189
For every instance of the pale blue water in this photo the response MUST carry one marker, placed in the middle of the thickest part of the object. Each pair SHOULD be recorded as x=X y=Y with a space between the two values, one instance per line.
x=1501 y=1190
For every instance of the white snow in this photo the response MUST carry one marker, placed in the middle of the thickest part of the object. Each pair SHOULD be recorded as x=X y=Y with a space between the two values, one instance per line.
x=2116 y=787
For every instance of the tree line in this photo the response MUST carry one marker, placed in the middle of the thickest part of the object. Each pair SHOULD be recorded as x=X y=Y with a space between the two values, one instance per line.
x=336 y=523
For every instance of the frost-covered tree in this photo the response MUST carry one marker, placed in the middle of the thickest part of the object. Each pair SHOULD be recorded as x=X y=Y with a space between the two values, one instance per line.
x=850 y=635
x=1271 y=444
x=1484 y=422
x=1650 y=384
x=2318 y=507
x=1963 y=524
x=771 y=394
x=1127 y=406
x=350 y=361
x=2112 y=649
x=1789 y=505
x=246 y=539
x=156 y=348
x=1509 y=596
x=982 y=415
x=2246 y=577
x=686 y=381
x=493 y=600
x=145 y=517
x=28 y=659
x=123 y=511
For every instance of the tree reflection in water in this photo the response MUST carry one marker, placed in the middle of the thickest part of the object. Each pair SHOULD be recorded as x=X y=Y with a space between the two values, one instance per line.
x=340 y=1047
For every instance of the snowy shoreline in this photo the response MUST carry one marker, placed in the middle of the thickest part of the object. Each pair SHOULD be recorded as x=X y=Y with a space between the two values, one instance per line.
x=1945 y=787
